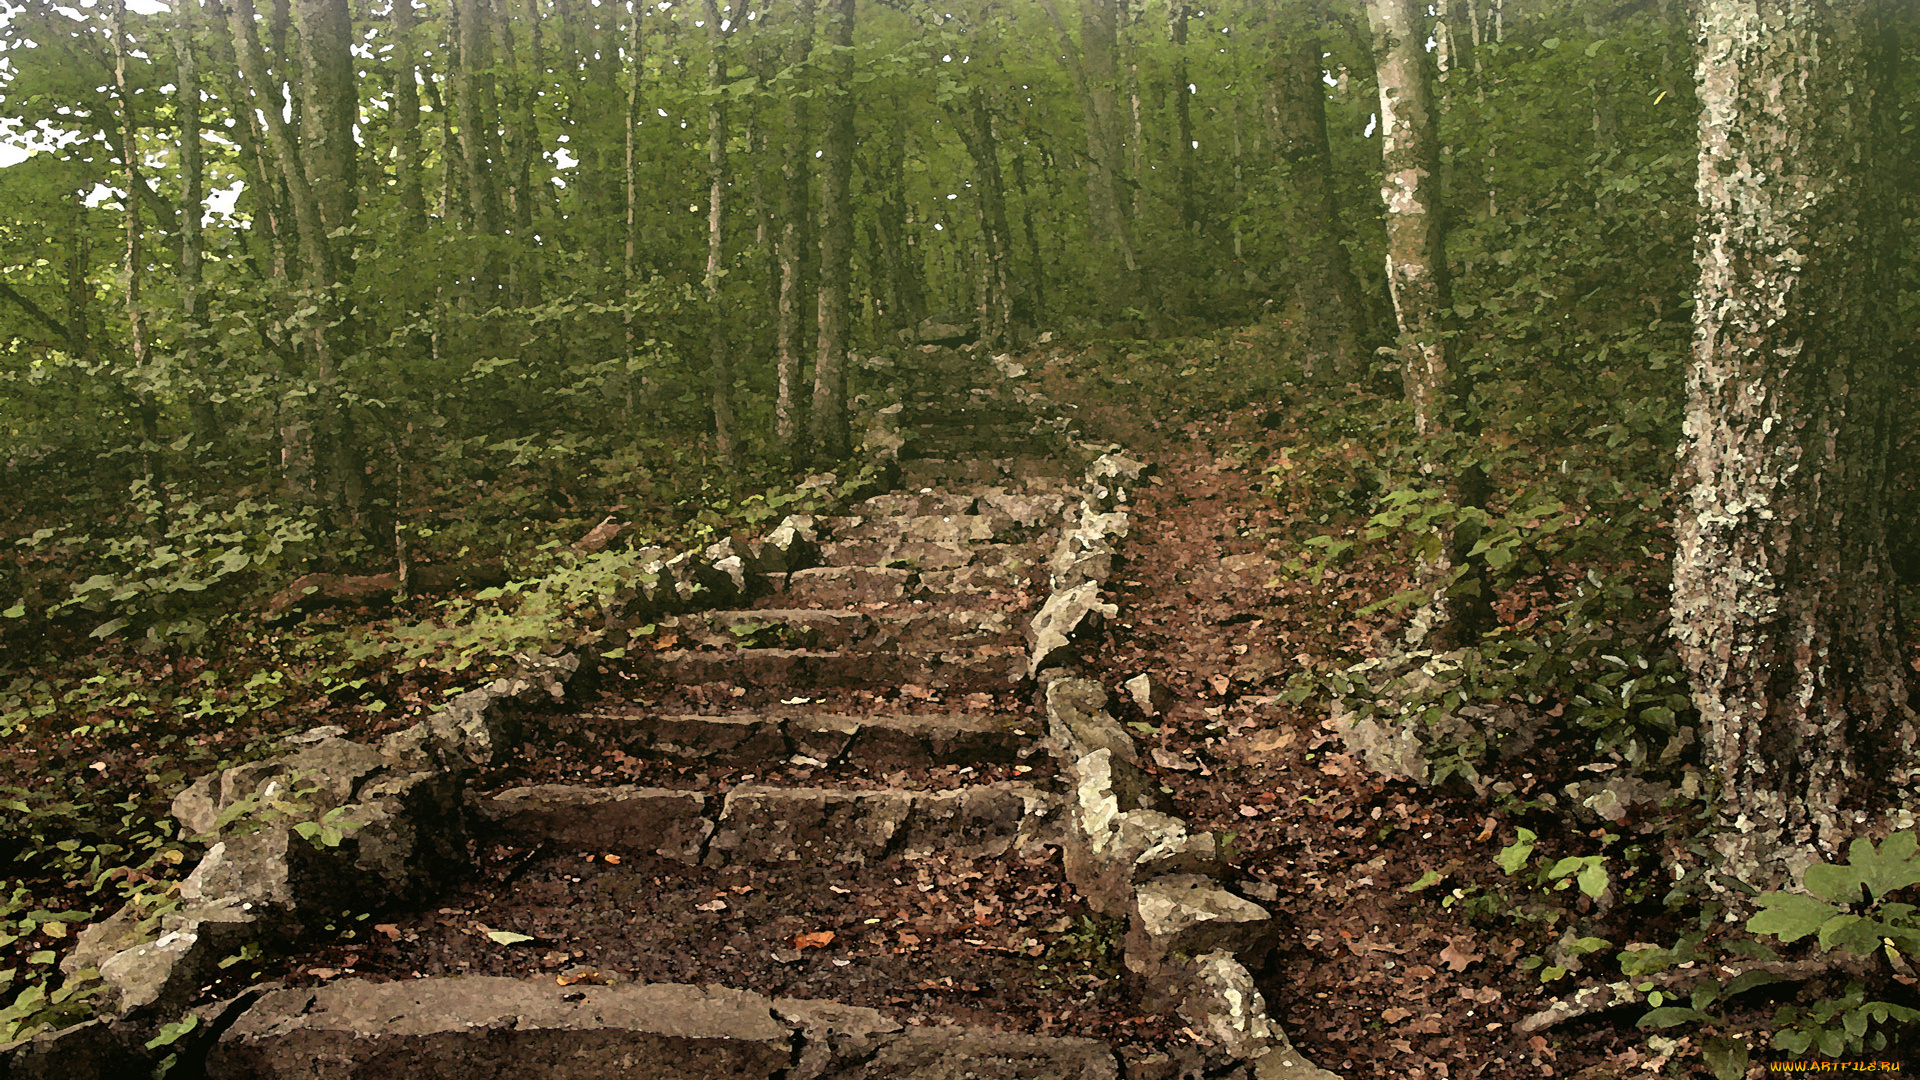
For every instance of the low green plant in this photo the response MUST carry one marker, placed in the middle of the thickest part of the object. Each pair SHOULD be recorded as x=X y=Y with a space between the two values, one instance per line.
x=1847 y=907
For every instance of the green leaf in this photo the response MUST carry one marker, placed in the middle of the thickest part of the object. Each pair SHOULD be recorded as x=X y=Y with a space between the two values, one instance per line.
x=1727 y=1059
x=1790 y=916
x=14 y=612
x=171 y=1033
x=1894 y=866
x=1672 y=1016
x=508 y=937
x=1431 y=877
x=1593 y=880
x=110 y=628
x=1515 y=855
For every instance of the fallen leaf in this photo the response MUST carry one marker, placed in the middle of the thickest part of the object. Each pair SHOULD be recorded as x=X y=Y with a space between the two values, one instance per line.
x=389 y=929
x=1249 y=811
x=1459 y=953
x=714 y=905
x=1220 y=683
x=587 y=978
x=1395 y=1015
x=817 y=940
x=508 y=937
x=612 y=860
x=322 y=973
x=910 y=690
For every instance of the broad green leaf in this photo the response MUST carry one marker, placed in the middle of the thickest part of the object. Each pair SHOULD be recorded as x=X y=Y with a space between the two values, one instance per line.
x=1593 y=880
x=1790 y=916
x=1894 y=866
x=1727 y=1059
x=1431 y=877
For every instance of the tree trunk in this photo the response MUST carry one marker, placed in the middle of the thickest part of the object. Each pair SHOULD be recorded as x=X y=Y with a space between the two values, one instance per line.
x=1177 y=15
x=720 y=364
x=192 y=209
x=793 y=242
x=1094 y=67
x=473 y=98
x=1330 y=304
x=1416 y=238
x=146 y=412
x=831 y=438
x=974 y=121
x=1783 y=599
x=407 y=160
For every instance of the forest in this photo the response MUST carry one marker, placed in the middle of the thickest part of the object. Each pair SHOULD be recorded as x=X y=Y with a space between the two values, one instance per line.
x=1533 y=378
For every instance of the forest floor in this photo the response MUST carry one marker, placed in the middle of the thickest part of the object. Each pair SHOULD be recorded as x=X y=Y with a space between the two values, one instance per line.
x=1381 y=976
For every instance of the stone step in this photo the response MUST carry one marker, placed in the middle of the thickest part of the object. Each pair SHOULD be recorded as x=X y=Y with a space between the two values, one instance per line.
x=897 y=551
x=981 y=668
x=928 y=501
x=761 y=823
x=872 y=745
x=932 y=471
x=957 y=446
x=816 y=628
x=471 y=1026
x=923 y=528
x=840 y=586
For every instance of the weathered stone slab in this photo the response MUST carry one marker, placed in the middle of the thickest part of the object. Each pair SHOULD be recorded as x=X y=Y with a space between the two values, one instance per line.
x=927 y=528
x=762 y=823
x=838 y=586
x=621 y=818
x=904 y=552
x=963 y=1054
x=483 y=1028
x=888 y=743
x=986 y=667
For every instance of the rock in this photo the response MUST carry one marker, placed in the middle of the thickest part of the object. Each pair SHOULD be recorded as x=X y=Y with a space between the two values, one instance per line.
x=1062 y=616
x=943 y=329
x=1151 y=696
x=93 y=1050
x=1008 y=367
x=1183 y=916
x=496 y=1027
x=1222 y=1003
x=624 y=818
x=322 y=776
x=962 y=1054
x=832 y=1035
x=1121 y=834
x=762 y=823
x=1078 y=723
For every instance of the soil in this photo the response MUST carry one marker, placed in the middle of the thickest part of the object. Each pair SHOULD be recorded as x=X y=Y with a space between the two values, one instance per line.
x=1002 y=943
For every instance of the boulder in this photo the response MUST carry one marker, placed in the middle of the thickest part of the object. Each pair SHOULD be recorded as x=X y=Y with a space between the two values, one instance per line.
x=1183 y=916
x=1061 y=617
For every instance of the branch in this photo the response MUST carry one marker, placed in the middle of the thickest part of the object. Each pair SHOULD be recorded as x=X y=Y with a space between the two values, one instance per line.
x=34 y=310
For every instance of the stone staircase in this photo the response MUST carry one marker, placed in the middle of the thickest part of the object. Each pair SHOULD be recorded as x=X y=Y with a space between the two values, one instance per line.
x=823 y=831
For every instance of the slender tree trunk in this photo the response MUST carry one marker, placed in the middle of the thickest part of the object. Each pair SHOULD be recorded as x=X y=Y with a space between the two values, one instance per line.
x=1330 y=302
x=407 y=160
x=975 y=123
x=192 y=209
x=720 y=363
x=1783 y=598
x=1178 y=13
x=831 y=437
x=793 y=242
x=473 y=98
x=329 y=107
x=906 y=296
x=1036 y=275
x=146 y=412
x=630 y=250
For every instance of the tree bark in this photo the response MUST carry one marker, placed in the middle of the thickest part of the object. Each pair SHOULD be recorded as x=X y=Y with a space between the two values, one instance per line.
x=1416 y=238
x=1331 y=309
x=407 y=160
x=831 y=437
x=719 y=362
x=1783 y=601
x=974 y=121
x=794 y=240
x=146 y=411
x=1177 y=14
x=1094 y=67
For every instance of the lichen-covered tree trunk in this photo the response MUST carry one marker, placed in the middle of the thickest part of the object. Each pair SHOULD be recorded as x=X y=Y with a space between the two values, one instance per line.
x=831 y=438
x=1409 y=186
x=1783 y=603
x=1323 y=280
